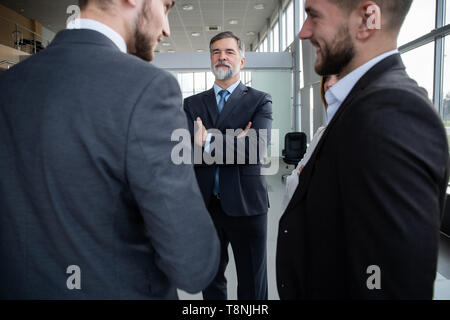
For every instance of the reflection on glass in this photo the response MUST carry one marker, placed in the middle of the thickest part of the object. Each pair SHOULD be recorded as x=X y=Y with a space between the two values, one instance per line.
x=419 y=65
x=419 y=21
x=446 y=86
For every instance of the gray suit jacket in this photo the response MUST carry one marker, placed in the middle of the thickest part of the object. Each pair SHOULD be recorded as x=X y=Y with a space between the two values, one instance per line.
x=86 y=179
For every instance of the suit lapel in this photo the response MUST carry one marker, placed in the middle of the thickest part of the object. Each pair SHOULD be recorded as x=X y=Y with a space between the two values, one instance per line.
x=209 y=99
x=232 y=102
x=390 y=62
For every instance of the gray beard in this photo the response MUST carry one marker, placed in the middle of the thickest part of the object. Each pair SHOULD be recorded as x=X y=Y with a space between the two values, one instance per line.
x=224 y=74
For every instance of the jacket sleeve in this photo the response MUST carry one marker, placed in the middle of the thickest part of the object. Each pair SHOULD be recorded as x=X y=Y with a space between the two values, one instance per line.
x=176 y=220
x=393 y=171
x=248 y=149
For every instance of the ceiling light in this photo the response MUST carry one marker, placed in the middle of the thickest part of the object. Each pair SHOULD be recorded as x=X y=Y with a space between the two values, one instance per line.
x=233 y=22
x=188 y=7
x=200 y=50
x=165 y=44
x=259 y=6
x=250 y=33
x=195 y=34
x=171 y=51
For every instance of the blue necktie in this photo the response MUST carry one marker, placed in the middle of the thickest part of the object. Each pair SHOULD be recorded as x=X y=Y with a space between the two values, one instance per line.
x=223 y=98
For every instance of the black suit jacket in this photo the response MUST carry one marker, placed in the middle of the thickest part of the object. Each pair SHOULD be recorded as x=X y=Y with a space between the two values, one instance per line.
x=86 y=178
x=372 y=194
x=242 y=188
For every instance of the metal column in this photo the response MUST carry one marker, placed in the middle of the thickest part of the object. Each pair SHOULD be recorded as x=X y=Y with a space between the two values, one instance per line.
x=296 y=67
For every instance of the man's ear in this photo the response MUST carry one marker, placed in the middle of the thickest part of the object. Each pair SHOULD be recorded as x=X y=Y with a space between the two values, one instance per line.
x=132 y=3
x=242 y=62
x=370 y=20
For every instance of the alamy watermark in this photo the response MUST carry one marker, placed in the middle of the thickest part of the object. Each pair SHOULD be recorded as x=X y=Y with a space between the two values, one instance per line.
x=74 y=280
x=73 y=21
x=229 y=149
x=374 y=280
x=374 y=20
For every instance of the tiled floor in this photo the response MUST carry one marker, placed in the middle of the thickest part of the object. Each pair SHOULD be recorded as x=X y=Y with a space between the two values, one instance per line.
x=276 y=192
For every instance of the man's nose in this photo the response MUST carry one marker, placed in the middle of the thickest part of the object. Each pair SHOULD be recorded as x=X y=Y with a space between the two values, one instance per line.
x=306 y=32
x=166 y=28
x=223 y=56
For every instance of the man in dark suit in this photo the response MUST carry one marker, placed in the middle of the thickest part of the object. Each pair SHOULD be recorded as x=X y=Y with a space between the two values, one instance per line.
x=364 y=220
x=91 y=205
x=234 y=191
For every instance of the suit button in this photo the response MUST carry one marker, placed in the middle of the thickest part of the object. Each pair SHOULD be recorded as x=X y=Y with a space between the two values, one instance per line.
x=282 y=285
x=285 y=231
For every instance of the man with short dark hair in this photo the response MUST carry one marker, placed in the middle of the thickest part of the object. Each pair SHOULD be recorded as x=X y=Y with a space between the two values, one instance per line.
x=235 y=193
x=91 y=204
x=364 y=221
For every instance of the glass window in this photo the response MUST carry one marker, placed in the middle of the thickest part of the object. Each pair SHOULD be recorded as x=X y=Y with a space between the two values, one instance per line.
x=290 y=23
x=264 y=45
x=199 y=82
x=276 y=38
x=420 y=66
x=447 y=14
x=283 y=29
x=420 y=20
x=210 y=80
x=446 y=86
x=186 y=81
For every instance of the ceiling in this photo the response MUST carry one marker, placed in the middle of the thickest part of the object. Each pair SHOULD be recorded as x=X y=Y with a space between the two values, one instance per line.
x=183 y=23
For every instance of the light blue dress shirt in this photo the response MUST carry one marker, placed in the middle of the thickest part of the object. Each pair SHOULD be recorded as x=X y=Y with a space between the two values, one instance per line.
x=339 y=91
x=217 y=89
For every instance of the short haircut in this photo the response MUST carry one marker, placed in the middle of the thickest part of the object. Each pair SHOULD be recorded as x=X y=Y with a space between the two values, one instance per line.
x=396 y=10
x=103 y=4
x=225 y=35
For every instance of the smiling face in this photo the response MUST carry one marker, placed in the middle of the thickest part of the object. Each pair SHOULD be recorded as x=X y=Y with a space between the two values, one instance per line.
x=151 y=26
x=226 y=59
x=327 y=29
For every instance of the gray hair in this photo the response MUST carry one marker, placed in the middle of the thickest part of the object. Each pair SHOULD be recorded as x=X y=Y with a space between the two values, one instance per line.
x=225 y=35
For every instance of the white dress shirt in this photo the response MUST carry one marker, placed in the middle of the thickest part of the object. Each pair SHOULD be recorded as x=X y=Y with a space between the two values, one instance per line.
x=99 y=27
x=341 y=89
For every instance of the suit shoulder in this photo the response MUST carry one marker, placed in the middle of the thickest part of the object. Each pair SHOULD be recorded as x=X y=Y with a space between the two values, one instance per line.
x=197 y=96
x=258 y=93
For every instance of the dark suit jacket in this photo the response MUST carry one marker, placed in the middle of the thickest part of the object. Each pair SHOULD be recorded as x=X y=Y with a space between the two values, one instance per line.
x=242 y=188
x=86 y=178
x=372 y=194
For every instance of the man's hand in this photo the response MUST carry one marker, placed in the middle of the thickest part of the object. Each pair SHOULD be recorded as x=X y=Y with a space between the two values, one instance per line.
x=200 y=134
x=244 y=133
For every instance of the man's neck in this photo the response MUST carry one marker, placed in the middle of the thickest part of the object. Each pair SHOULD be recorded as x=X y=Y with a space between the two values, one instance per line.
x=225 y=84
x=111 y=21
x=365 y=56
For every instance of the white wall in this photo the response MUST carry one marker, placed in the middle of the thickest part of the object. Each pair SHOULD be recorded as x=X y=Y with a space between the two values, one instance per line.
x=279 y=85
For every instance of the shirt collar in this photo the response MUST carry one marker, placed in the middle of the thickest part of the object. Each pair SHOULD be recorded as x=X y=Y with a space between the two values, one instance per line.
x=230 y=89
x=339 y=92
x=102 y=28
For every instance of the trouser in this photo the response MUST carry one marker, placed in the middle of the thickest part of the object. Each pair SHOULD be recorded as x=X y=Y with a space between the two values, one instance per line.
x=248 y=238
